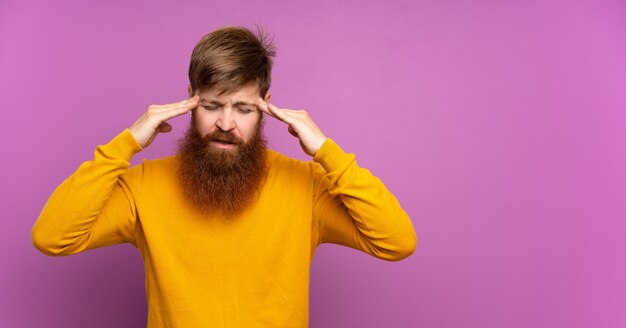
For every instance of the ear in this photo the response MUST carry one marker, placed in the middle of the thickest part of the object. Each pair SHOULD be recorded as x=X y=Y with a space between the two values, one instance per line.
x=268 y=96
x=189 y=90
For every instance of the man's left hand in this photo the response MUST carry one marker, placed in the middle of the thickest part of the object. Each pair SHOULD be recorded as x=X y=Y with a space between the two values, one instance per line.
x=300 y=125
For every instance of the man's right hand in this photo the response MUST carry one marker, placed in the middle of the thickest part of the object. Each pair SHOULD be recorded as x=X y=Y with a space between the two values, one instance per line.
x=154 y=120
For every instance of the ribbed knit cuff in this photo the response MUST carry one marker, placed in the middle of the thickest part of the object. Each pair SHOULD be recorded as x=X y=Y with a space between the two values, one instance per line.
x=331 y=156
x=124 y=145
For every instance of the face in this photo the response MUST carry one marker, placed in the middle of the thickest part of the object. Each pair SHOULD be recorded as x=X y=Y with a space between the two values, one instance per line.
x=235 y=113
x=222 y=155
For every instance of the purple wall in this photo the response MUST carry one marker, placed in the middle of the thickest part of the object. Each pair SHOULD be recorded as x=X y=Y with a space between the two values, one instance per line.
x=500 y=126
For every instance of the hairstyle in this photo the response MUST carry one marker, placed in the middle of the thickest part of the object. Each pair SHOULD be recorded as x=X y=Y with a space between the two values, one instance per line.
x=231 y=57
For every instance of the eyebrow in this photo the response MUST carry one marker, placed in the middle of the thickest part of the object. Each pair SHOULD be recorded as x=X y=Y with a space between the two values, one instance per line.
x=239 y=103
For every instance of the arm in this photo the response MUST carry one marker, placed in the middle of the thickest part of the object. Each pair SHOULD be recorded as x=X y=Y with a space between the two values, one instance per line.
x=94 y=207
x=352 y=207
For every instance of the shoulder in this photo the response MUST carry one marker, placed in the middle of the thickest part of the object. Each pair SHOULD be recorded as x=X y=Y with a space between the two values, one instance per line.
x=282 y=164
x=165 y=163
x=152 y=169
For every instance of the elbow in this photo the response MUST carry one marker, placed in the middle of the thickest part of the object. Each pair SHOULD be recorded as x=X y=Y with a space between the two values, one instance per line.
x=45 y=243
x=403 y=242
x=404 y=248
x=395 y=246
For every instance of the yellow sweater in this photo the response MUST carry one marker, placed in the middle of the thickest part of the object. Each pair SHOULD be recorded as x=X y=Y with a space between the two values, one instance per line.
x=206 y=272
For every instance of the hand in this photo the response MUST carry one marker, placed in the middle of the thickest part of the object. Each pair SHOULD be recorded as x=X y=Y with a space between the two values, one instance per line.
x=154 y=120
x=300 y=124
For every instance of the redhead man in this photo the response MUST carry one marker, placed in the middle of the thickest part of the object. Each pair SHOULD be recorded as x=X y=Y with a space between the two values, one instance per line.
x=227 y=228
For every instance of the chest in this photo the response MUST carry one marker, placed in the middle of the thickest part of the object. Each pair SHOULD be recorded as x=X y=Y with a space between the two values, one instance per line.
x=275 y=228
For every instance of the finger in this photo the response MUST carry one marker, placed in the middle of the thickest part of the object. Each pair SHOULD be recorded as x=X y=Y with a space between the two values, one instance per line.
x=280 y=114
x=183 y=103
x=173 y=111
x=189 y=103
x=262 y=105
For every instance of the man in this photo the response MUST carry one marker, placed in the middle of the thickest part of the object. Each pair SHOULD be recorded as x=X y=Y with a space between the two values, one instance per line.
x=227 y=228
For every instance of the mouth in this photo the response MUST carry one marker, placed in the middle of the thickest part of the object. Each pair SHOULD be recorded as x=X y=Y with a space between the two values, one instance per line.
x=223 y=144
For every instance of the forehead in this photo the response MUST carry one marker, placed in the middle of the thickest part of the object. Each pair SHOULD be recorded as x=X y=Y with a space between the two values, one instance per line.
x=248 y=93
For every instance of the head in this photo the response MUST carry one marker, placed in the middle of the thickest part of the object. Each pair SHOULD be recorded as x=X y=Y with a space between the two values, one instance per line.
x=223 y=152
x=230 y=69
x=230 y=58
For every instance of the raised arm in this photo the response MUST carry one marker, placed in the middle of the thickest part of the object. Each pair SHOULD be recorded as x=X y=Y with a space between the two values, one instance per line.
x=352 y=207
x=94 y=207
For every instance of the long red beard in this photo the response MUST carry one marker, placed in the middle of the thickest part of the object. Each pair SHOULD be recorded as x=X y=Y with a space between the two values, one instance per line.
x=221 y=181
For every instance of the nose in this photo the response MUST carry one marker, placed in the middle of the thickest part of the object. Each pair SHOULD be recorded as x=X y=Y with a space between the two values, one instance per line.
x=226 y=122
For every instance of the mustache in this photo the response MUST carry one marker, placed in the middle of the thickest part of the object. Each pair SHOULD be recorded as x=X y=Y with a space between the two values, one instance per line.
x=224 y=136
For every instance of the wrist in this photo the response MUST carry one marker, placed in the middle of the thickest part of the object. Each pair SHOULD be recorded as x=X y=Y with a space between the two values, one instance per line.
x=317 y=144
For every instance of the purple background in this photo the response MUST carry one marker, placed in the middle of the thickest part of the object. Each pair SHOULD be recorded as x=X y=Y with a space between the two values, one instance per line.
x=500 y=126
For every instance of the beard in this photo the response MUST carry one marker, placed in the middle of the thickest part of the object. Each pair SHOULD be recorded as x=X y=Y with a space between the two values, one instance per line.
x=221 y=181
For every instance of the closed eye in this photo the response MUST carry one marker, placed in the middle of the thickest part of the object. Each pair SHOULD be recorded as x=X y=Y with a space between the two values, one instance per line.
x=245 y=110
x=209 y=107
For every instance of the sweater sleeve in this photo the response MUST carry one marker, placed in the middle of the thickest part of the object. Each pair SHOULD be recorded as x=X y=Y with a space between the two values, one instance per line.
x=353 y=208
x=94 y=206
